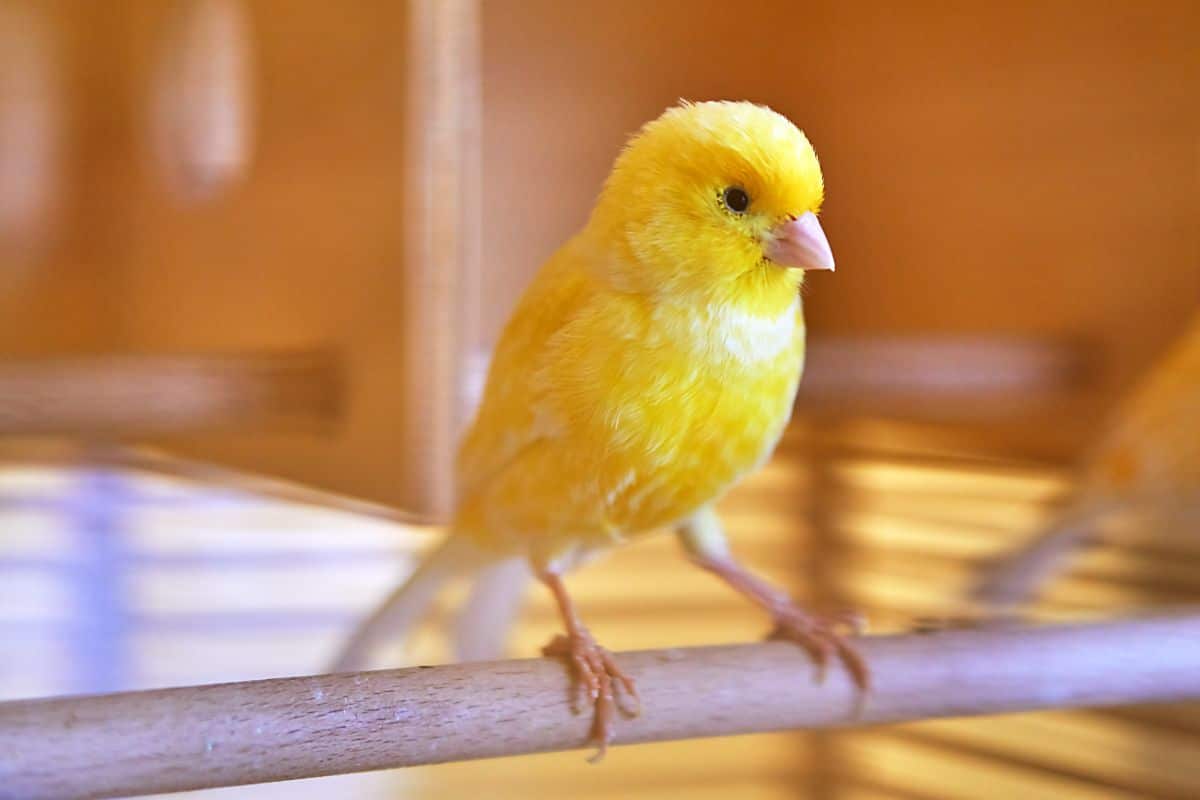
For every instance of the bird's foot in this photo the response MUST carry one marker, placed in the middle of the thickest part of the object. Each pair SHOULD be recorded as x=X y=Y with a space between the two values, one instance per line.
x=824 y=637
x=596 y=678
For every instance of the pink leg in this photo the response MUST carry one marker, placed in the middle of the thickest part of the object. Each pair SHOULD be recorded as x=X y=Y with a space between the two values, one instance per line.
x=820 y=636
x=594 y=670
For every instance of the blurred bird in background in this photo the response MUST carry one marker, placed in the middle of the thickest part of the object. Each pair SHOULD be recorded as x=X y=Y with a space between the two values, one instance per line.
x=651 y=364
x=1146 y=464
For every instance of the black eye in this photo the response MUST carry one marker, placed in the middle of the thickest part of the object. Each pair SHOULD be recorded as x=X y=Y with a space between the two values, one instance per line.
x=736 y=200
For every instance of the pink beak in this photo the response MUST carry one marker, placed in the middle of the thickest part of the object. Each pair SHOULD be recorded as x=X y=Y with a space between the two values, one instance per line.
x=800 y=243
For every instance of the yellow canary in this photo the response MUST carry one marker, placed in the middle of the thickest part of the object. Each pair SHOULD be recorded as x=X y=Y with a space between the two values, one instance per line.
x=651 y=364
x=1147 y=462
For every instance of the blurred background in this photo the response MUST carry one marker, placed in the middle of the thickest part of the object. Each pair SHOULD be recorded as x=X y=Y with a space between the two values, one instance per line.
x=247 y=245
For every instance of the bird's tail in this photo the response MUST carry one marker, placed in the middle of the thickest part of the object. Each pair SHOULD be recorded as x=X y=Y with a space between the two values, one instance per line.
x=491 y=609
x=1014 y=579
x=408 y=604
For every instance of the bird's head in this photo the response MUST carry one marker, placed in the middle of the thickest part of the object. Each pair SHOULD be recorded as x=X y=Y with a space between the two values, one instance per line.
x=714 y=200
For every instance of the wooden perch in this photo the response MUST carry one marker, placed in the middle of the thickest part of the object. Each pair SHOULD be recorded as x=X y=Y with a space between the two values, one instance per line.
x=203 y=106
x=443 y=272
x=121 y=396
x=931 y=376
x=231 y=734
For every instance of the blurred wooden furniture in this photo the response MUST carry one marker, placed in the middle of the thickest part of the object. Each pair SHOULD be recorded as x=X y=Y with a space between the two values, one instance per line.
x=1028 y=172
x=276 y=175
x=1022 y=170
x=122 y=397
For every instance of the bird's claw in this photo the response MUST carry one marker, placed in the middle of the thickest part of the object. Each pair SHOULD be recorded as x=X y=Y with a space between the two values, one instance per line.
x=596 y=677
x=824 y=637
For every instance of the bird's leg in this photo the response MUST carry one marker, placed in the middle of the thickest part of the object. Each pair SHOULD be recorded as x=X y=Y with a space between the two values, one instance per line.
x=595 y=672
x=821 y=636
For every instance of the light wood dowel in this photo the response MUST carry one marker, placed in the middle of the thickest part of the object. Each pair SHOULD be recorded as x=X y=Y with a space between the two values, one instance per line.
x=121 y=396
x=231 y=734
x=442 y=261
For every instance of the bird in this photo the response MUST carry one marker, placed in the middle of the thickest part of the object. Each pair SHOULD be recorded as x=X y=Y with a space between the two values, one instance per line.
x=1146 y=463
x=651 y=363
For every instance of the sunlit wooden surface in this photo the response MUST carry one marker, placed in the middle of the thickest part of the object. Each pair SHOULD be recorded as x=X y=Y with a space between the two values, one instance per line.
x=206 y=585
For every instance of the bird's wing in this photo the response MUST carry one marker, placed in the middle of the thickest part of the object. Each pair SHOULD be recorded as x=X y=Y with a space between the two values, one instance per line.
x=514 y=413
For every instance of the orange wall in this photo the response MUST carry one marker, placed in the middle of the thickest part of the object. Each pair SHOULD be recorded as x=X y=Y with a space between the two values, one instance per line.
x=991 y=168
x=1003 y=167
x=308 y=251
x=57 y=296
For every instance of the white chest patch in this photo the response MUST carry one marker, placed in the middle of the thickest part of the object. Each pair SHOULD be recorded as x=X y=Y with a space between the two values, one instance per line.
x=746 y=337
